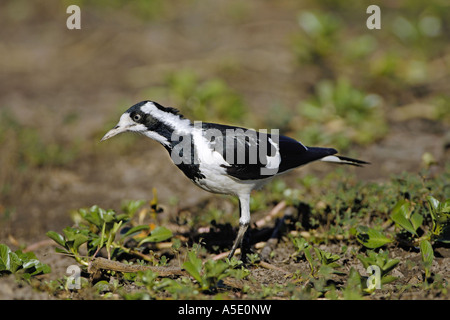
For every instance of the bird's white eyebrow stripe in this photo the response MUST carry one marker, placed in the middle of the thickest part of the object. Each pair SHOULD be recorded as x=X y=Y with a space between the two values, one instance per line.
x=172 y=120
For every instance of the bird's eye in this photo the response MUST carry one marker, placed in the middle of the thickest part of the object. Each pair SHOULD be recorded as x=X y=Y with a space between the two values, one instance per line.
x=137 y=117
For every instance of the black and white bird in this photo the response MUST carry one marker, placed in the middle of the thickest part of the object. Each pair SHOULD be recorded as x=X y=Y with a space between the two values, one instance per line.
x=222 y=159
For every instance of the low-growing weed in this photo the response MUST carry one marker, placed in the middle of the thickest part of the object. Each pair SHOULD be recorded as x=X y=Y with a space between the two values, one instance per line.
x=366 y=220
x=378 y=262
x=337 y=105
x=99 y=228
x=405 y=215
x=23 y=264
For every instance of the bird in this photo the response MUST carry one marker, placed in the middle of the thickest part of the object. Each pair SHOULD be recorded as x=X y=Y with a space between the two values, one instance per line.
x=223 y=159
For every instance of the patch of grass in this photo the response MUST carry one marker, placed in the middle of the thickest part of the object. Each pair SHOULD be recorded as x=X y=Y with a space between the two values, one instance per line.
x=26 y=154
x=319 y=37
x=339 y=115
x=367 y=221
x=351 y=67
x=209 y=100
x=327 y=275
x=24 y=147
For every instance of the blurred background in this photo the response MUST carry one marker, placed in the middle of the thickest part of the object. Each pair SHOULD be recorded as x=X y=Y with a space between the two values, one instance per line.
x=309 y=68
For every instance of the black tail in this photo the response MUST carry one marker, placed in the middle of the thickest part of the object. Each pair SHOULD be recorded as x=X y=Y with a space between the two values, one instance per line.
x=344 y=160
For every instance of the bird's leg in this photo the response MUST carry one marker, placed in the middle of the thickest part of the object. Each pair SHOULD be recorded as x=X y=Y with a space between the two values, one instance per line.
x=245 y=245
x=244 y=222
x=238 y=241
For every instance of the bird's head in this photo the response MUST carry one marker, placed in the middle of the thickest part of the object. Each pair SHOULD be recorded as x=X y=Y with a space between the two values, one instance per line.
x=151 y=119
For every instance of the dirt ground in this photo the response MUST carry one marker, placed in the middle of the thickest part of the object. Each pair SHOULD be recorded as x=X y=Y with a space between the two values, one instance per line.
x=71 y=85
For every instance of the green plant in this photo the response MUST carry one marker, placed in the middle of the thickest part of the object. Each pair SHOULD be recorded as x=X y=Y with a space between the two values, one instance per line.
x=409 y=218
x=371 y=238
x=28 y=148
x=327 y=259
x=427 y=255
x=382 y=261
x=319 y=36
x=23 y=263
x=154 y=285
x=323 y=264
x=213 y=272
x=354 y=287
x=209 y=274
x=440 y=215
x=340 y=114
x=100 y=228
x=403 y=215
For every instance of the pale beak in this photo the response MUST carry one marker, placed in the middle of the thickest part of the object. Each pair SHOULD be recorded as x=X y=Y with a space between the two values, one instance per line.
x=125 y=124
x=114 y=131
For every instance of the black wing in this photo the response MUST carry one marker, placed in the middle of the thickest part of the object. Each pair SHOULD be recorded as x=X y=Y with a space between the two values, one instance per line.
x=253 y=155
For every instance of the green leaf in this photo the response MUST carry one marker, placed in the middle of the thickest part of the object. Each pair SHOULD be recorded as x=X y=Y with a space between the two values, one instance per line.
x=353 y=289
x=327 y=258
x=116 y=227
x=99 y=216
x=427 y=254
x=371 y=238
x=136 y=229
x=157 y=235
x=299 y=243
x=130 y=207
x=79 y=240
x=190 y=268
x=401 y=214
x=309 y=258
x=102 y=286
x=75 y=237
x=440 y=216
x=92 y=215
x=416 y=220
x=38 y=267
x=102 y=236
x=193 y=266
x=31 y=264
x=59 y=250
x=9 y=260
x=107 y=215
x=58 y=238
x=388 y=279
x=215 y=270
x=13 y=261
x=389 y=264
x=5 y=261
x=434 y=205
x=122 y=217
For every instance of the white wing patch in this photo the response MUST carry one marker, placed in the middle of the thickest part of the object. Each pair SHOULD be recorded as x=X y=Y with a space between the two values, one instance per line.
x=205 y=153
x=273 y=162
x=331 y=159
